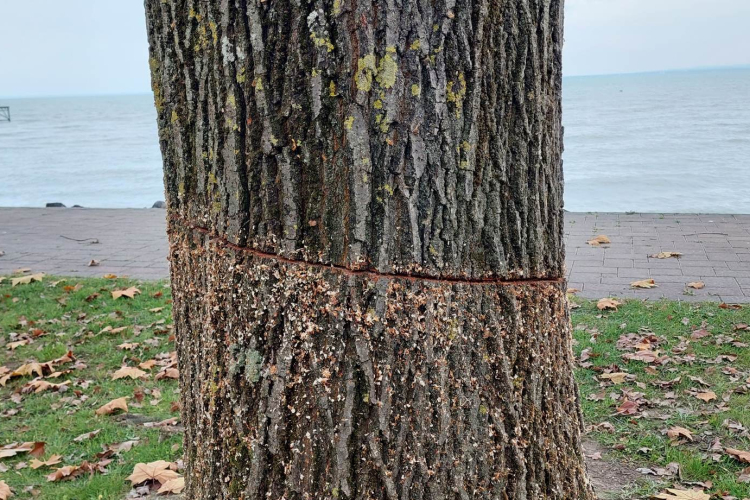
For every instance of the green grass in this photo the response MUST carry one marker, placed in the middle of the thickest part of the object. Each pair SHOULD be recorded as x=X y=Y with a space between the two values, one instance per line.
x=57 y=418
x=640 y=439
x=69 y=322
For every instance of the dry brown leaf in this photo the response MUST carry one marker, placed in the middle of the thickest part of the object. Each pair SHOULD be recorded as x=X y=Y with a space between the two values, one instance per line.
x=706 y=396
x=649 y=283
x=698 y=285
x=154 y=471
x=666 y=255
x=38 y=385
x=599 y=240
x=53 y=460
x=128 y=292
x=168 y=373
x=724 y=305
x=628 y=407
x=128 y=371
x=673 y=494
x=110 y=276
x=35 y=449
x=5 y=491
x=128 y=346
x=73 y=471
x=616 y=378
x=109 y=329
x=172 y=486
x=14 y=345
x=147 y=365
x=606 y=303
x=677 y=432
x=25 y=280
x=94 y=263
x=742 y=456
x=87 y=436
x=113 y=406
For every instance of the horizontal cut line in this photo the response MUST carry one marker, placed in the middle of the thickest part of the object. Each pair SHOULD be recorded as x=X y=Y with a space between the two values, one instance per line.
x=368 y=273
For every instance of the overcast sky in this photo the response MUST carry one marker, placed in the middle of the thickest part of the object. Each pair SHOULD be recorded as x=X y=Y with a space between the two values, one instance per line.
x=82 y=47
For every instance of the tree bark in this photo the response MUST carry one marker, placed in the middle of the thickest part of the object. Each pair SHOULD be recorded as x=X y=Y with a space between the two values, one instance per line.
x=365 y=220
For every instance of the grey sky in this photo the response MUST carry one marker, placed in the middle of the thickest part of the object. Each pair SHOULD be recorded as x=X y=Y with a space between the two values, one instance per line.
x=53 y=47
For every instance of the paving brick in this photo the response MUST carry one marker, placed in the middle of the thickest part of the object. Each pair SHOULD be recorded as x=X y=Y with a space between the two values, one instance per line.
x=735 y=299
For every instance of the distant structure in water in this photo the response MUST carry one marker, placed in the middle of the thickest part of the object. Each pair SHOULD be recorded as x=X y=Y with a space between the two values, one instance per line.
x=4 y=113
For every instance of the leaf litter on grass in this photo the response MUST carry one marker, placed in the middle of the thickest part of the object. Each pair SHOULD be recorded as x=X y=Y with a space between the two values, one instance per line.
x=641 y=367
x=666 y=385
x=42 y=385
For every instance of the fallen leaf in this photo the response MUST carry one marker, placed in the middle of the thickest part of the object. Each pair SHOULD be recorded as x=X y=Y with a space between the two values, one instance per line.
x=37 y=386
x=87 y=436
x=706 y=396
x=154 y=471
x=168 y=373
x=172 y=486
x=25 y=280
x=13 y=345
x=699 y=334
x=72 y=471
x=677 y=432
x=147 y=365
x=606 y=303
x=113 y=406
x=109 y=329
x=696 y=284
x=128 y=346
x=128 y=292
x=33 y=448
x=110 y=276
x=666 y=255
x=128 y=371
x=5 y=491
x=93 y=263
x=724 y=305
x=599 y=240
x=616 y=378
x=742 y=456
x=53 y=460
x=649 y=283
x=628 y=408
x=673 y=494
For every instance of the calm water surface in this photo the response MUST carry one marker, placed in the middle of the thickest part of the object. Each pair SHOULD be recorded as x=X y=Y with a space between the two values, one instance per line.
x=659 y=142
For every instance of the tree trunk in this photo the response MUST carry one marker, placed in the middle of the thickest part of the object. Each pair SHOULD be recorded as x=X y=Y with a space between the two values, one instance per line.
x=365 y=219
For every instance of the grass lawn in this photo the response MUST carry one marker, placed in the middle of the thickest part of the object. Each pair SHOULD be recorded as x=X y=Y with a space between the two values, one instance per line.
x=652 y=367
x=61 y=316
x=679 y=354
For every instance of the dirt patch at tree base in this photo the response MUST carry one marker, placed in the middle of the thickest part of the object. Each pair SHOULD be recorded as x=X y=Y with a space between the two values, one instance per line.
x=610 y=478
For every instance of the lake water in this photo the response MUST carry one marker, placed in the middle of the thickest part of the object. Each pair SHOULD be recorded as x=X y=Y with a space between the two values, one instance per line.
x=655 y=142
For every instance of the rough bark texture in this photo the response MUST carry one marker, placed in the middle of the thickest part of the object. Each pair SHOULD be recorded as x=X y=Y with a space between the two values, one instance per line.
x=365 y=216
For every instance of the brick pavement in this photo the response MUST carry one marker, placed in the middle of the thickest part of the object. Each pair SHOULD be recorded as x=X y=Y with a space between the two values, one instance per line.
x=715 y=248
x=132 y=242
